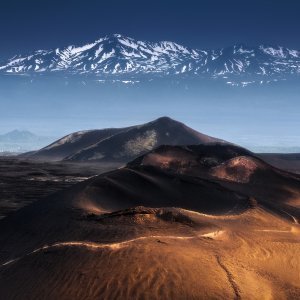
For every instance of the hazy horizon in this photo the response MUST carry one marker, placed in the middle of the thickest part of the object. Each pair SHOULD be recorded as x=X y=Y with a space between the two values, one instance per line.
x=254 y=116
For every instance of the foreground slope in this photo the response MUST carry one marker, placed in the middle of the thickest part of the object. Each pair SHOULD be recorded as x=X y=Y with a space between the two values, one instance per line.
x=233 y=167
x=176 y=223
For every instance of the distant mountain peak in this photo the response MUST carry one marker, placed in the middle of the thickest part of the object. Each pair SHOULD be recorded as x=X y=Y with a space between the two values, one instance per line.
x=164 y=119
x=122 y=144
x=16 y=133
x=21 y=141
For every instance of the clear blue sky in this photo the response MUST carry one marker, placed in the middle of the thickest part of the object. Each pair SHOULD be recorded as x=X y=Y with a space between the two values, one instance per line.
x=36 y=24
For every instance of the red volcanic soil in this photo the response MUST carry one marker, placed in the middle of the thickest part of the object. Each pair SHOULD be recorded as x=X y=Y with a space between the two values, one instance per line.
x=238 y=169
x=176 y=223
x=233 y=167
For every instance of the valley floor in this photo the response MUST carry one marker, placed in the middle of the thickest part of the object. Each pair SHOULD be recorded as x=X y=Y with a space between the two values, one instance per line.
x=24 y=181
x=159 y=228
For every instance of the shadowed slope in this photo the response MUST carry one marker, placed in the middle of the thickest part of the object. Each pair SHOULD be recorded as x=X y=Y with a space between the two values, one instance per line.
x=151 y=187
x=128 y=144
x=72 y=143
x=58 y=217
x=233 y=167
x=177 y=223
x=190 y=159
x=121 y=144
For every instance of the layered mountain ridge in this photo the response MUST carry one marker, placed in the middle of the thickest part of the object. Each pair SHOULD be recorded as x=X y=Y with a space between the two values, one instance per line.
x=21 y=140
x=118 y=56
x=121 y=144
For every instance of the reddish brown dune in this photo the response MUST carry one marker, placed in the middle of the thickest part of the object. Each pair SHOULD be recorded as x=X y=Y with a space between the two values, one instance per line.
x=176 y=224
x=233 y=167
x=162 y=254
x=238 y=169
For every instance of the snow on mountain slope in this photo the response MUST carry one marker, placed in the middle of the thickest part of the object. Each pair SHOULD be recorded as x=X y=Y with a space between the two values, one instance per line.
x=72 y=143
x=117 y=55
x=137 y=140
x=121 y=144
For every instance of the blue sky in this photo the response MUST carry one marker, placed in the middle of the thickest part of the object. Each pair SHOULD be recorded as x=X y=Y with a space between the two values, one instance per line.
x=252 y=116
x=36 y=24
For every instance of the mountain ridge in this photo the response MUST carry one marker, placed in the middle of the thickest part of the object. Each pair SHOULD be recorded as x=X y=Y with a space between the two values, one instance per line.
x=118 y=56
x=121 y=144
x=17 y=141
x=18 y=135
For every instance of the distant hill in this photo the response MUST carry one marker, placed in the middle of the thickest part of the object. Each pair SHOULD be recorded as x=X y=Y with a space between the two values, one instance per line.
x=121 y=144
x=18 y=136
x=17 y=141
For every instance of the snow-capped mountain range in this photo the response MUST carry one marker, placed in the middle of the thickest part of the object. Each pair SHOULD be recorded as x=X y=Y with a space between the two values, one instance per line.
x=117 y=55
